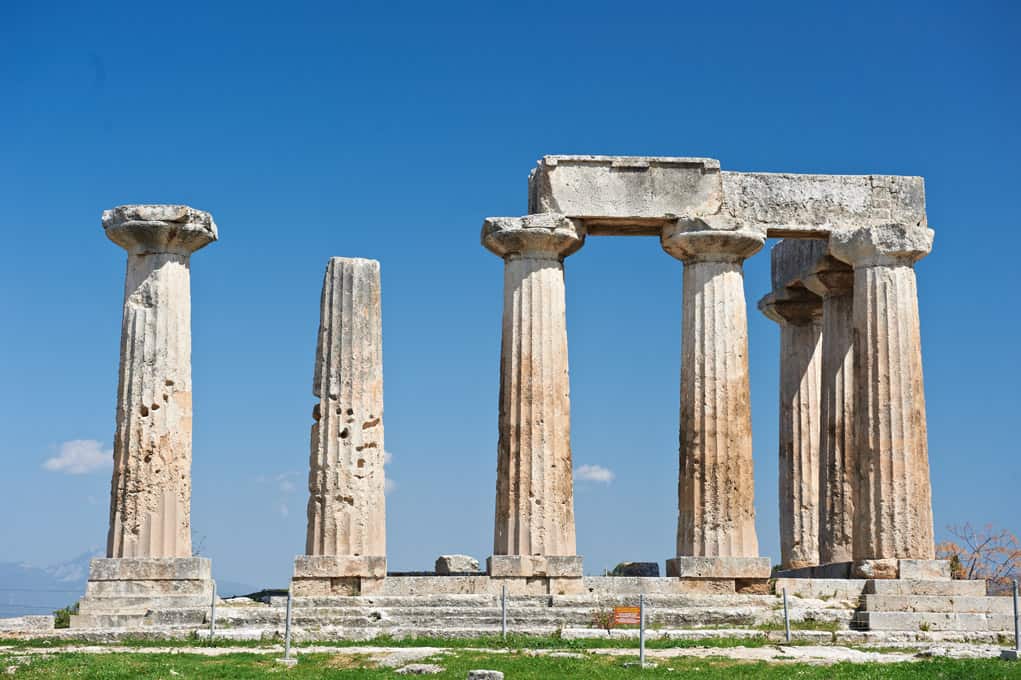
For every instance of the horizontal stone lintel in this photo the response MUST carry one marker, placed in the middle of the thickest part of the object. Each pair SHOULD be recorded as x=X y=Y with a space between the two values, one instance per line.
x=631 y=196
x=339 y=566
x=718 y=567
x=150 y=569
x=551 y=566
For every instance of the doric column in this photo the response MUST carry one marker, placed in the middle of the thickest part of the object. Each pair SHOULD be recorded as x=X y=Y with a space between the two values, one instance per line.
x=149 y=563
x=799 y=314
x=345 y=546
x=534 y=531
x=834 y=282
x=893 y=508
x=716 y=512
x=150 y=496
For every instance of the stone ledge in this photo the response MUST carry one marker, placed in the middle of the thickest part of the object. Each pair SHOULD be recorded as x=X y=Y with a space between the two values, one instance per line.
x=339 y=566
x=325 y=586
x=150 y=569
x=550 y=566
x=892 y=568
x=718 y=567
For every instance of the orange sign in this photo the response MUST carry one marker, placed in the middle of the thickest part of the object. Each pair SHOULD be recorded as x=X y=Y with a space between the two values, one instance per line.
x=627 y=616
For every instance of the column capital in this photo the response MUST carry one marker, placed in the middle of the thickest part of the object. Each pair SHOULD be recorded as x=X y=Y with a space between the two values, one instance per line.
x=795 y=306
x=152 y=229
x=882 y=244
x=542 y=235
x=714 y=238
x=829 y=278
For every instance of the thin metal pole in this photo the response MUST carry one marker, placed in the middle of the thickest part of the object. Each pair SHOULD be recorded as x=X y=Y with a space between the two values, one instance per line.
x=641 y=630
x=786 y=618
x=212 y=614
x=287 y=627
x=503 y=613
x=1017 y=623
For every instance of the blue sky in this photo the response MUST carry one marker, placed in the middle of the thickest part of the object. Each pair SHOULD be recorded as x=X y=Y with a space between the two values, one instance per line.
x=390 y=131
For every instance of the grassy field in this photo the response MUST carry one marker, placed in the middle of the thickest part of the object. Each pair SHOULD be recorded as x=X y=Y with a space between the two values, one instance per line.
x=518 y=665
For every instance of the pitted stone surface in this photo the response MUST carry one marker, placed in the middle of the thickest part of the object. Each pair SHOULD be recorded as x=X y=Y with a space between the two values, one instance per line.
x=346 y=509
x=150 y=497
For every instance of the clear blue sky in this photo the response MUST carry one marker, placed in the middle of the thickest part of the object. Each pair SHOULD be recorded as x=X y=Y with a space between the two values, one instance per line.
x=390 y=132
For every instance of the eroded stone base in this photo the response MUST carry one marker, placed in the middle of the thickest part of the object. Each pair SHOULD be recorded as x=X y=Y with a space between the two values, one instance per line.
x=913 y=570
x=122 y=591
x=743 y=568
x=320 y=575
x=526 y=566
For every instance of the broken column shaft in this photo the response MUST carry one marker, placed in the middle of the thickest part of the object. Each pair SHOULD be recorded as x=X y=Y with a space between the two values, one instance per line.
x=346 y=538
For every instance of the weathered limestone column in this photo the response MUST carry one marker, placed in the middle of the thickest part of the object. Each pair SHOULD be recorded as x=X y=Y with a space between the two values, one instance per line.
x=893 y=508
x=716 y=514
x=150 y=496
x=534 y=532
x=149 y=550
x=799 y=314
x=346 y=541
x=834 y=282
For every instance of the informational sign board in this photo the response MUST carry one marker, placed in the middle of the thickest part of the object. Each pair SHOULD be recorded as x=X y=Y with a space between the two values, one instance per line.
x=627 y=616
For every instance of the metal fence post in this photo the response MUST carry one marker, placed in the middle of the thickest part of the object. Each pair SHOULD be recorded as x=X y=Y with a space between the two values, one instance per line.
x=503 y=611
x=641 y=630
x=287 y=626
x=212 y=614
x=786 y=618
x=1012 y=654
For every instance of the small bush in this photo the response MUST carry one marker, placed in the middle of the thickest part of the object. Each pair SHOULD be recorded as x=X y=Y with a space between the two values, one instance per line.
x=62 y=617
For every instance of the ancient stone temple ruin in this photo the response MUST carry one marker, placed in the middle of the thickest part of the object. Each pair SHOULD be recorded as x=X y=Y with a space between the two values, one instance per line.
x=855 y=499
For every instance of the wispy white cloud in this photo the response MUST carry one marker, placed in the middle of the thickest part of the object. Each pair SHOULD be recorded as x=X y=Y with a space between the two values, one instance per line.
x=389 y=485
x=594 y=473
x=387 y=457
x=79 y=457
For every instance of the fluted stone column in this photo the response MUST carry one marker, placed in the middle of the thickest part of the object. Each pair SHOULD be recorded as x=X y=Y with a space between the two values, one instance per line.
x=149 y=552
x=716 y=514
x=345 y=543
x=150 y=496
x=534 y=532
x=893 y=508
x=834 y=282
x=799 y=314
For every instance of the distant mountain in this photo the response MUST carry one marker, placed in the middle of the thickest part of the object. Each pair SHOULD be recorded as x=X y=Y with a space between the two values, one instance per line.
x=30 y=589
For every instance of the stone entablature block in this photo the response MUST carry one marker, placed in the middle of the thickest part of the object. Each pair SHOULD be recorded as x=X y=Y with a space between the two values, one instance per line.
x=637 y=195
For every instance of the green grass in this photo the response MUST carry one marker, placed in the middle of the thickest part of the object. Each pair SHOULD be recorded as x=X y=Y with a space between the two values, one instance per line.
x=513 y=641
x=517 y=666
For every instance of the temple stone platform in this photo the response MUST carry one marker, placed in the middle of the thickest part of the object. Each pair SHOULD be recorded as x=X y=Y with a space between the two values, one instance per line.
x=848 y=610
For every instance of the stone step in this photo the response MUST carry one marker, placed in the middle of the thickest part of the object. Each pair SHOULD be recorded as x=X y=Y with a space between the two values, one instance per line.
x=903 y=587
x=545 y=601
x=139 y=603
x=934 y=621
x=939 y=603
x=133 y=620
